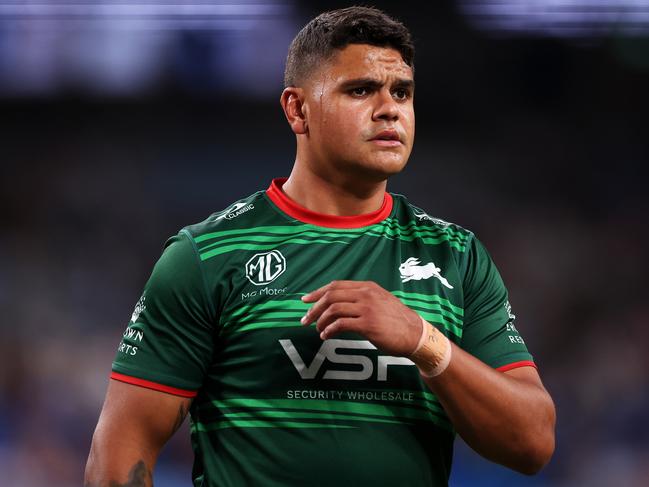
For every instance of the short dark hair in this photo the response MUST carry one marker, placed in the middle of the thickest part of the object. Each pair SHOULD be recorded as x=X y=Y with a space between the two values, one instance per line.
x=330 y=31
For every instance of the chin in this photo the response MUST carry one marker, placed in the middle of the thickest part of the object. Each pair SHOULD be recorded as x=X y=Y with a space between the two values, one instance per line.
x=377 y=173
x=386 y=167
x=374 y=167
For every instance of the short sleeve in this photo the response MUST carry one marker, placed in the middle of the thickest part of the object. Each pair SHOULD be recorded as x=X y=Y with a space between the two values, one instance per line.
x=489 y=332
x=168 y=342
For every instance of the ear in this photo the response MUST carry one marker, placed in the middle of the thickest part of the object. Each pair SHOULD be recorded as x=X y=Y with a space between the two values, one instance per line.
x=292 y=101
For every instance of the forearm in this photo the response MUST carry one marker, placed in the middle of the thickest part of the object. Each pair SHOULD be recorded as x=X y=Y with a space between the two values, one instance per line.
x=118 y=464
x=506 y=417
x=507 y=420
x=134 y=425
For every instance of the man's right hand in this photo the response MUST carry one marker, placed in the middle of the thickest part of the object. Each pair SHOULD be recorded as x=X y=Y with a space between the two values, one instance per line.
x=134 y=425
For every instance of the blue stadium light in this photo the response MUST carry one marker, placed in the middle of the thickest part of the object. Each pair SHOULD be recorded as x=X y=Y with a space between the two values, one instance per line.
x=559 y=18
x=165 y=16
x=120 y=48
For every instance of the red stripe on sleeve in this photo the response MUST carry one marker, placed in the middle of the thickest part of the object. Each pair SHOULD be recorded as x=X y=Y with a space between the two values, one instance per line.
x=515 y=365
x=152 y=385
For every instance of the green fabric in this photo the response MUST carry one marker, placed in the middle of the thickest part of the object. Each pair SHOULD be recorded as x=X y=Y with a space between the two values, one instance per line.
x=275 y=404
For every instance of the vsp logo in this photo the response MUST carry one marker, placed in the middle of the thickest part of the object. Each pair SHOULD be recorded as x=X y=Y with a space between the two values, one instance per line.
x=328 y=351
x=264 y=268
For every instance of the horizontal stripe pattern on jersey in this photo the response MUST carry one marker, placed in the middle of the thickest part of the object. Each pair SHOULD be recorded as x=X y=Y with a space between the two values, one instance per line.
x=219 y=318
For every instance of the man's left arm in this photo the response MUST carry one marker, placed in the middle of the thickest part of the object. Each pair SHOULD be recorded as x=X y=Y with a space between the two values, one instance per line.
x=507 y=417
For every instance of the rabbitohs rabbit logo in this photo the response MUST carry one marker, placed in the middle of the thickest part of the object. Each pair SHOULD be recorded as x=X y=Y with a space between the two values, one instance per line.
x=411 y=270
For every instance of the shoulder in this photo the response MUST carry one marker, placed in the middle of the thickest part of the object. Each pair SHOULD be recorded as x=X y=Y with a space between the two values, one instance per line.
x=238 y=215
x=409 y=214
x=247 y=222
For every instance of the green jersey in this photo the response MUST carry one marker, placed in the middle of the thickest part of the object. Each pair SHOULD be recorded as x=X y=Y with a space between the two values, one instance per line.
x=275 y=405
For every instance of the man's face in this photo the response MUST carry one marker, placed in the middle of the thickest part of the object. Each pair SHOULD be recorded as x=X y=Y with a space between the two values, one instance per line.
x=360 y=114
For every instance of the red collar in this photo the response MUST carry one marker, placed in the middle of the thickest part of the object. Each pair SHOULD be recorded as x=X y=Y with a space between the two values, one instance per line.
x=305 y=215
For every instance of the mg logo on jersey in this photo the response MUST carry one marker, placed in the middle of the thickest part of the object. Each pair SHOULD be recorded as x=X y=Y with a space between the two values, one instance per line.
x=328 y=351
x=264 y=268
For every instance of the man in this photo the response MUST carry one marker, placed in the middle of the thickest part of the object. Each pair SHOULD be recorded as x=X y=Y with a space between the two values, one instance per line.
x=325 y=332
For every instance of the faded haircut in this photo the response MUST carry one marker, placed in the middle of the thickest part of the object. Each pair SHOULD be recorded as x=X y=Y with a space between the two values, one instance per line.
x=332 y=31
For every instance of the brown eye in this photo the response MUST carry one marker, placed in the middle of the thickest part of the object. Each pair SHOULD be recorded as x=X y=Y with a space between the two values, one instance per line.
x=401 y=94
x=359 y=91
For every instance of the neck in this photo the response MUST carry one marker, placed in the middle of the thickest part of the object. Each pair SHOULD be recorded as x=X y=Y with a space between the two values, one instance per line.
x=333 y=195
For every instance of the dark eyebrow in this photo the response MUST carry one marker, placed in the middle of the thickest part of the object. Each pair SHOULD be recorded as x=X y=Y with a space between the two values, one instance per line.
x=408 y=84
x=402 y=83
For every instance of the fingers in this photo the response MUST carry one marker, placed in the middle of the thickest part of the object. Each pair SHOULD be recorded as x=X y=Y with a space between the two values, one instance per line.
x=340 y=325
x=339 y=306
x=336 y=311
x=318 y=293
x=328 y=298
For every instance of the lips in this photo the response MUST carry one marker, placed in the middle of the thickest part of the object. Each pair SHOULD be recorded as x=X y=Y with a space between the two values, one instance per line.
x=387 y=135
x=387 y=138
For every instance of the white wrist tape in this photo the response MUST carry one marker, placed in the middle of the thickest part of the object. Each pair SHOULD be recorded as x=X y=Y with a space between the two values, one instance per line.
x=433 y=352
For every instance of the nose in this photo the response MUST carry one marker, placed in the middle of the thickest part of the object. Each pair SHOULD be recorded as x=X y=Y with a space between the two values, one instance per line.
x=387 y=107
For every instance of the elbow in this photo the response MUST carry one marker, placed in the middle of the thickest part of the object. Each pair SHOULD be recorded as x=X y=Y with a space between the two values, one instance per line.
x=537 y=450
x=536 y=456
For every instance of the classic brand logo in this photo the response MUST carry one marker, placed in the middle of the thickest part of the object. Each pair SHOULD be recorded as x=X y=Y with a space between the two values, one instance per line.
x=425 y=216
x=411 y=270
x=235 y=210
x=264 y=268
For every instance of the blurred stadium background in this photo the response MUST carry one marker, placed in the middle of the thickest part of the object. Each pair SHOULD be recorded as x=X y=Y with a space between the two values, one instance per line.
x=121 y=122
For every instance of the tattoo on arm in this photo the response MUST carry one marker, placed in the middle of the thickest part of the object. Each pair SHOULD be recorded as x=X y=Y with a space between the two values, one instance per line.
x=139 y=476
x=182 y=412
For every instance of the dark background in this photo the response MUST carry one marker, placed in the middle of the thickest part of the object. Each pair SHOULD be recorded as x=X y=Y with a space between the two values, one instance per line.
x=536 y=139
